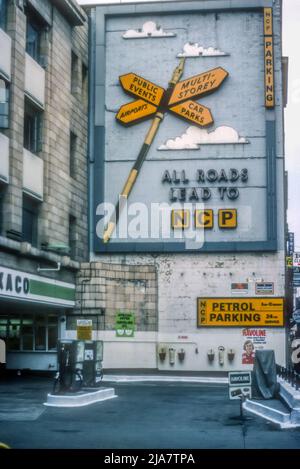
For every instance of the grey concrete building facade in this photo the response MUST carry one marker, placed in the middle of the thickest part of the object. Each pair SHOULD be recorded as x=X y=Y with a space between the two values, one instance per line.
x=160 y=301
x=43 y=173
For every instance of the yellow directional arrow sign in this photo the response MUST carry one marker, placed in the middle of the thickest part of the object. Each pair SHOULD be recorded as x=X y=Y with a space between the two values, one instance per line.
x=193 y=112
x=135 y=111
x=138 y=86
x=197 y=86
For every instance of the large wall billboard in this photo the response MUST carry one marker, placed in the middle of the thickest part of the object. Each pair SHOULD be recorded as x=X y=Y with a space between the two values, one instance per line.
x=184 y=127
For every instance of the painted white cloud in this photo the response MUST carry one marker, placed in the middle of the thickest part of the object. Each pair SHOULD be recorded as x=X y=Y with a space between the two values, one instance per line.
x=193 y=49
x=148 y=30
x=194 y=137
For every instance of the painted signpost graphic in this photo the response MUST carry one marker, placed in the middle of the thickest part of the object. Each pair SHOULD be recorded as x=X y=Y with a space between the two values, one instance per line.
x=136 y=111
x=193 y=112
x=193 y=87
x=239 y=384
x=220 y=163
x=138 y=86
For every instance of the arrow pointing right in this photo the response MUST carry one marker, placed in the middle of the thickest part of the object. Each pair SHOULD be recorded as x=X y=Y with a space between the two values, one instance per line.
x=135 y=111
x=198 y=85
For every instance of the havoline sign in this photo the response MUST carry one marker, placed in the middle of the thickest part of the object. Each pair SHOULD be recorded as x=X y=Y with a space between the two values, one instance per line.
x=240 y=312
x=237 y=378
x=24 y=286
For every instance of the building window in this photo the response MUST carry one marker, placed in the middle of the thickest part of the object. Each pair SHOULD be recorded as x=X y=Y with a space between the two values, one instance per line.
x=34 y=30
x=73 y=147
x=3 y=328
x=72 y=236
x=29 y=332
x=74 y=73
x=40 y=332
x=30 y=220
x=3 y=13
x=4 y=104
x=33 y=126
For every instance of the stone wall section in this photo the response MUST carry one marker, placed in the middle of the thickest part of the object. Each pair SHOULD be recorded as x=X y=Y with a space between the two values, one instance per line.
x=118 y=288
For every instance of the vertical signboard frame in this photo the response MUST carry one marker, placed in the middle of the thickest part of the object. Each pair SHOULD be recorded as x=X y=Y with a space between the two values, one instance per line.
x=97 y=132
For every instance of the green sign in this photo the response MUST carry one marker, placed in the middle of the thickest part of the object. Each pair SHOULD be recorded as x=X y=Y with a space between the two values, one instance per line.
x=125 y=324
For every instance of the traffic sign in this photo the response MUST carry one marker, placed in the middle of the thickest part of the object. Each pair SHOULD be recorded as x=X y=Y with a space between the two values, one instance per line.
x=145 y=89
x=198 y=85
x=193 y=112
x=135 y=111
x=151 y=95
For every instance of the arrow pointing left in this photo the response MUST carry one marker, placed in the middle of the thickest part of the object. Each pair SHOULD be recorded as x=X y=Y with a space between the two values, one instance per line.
x=135 y=111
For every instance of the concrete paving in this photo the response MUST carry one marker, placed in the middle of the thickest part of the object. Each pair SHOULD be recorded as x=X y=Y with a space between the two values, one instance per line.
x=177 y=415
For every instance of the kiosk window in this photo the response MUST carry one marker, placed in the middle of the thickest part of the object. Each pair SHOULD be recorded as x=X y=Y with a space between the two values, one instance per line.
x=52 y=332
x=14 y=337
x=40 y=333
x=29 y=333
x=3 y=328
